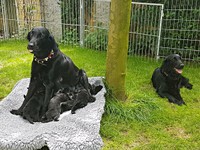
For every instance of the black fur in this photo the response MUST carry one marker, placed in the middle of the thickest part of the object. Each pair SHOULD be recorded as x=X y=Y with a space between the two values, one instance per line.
x=71 y=99
x=54 y=108
x=32 y=114
x=51 y=70
x=167 y=80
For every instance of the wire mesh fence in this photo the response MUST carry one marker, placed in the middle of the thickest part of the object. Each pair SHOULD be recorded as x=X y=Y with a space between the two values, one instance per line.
x=86 y=23
x=145 y=29
x=181 y=28
x=17 y=17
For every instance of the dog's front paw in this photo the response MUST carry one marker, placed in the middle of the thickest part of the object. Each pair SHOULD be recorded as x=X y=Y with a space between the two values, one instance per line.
x=44 y=119
x=189 y=86
x=73 y=112
x=16 y=112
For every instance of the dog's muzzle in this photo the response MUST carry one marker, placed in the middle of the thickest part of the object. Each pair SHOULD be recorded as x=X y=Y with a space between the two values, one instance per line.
x=30 y=47
x=179 y=69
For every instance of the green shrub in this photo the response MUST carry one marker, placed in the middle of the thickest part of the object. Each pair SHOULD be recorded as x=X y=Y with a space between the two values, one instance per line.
x=97 y=39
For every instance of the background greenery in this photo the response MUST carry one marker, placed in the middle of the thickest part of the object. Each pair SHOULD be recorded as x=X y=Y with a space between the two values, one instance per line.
x=180 y=27
x=144 y=121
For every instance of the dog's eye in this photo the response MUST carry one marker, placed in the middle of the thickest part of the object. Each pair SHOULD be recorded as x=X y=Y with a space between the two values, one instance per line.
x=41 y=35
x=32 y=32
x=177 y=58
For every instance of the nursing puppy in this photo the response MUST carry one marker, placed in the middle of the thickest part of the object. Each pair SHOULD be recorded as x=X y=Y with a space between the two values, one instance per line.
x=54 y=107
x=168 y=79
x=62 y=102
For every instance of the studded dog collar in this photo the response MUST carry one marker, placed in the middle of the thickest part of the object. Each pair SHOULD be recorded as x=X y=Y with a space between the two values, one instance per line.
x=42 y=61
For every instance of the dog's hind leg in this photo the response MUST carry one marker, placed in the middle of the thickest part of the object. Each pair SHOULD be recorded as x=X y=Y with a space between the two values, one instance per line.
x=84 y=79
x=170 y=98
x=179 y=99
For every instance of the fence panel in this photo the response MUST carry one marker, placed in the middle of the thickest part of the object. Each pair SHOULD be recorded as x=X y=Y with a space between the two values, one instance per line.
x=181 y=29
x=70 y=14
x=145 y=29
x=96 y=24
x=17 y=17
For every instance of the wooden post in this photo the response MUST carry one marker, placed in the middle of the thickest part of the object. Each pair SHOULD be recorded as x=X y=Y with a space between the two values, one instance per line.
x=118 y=47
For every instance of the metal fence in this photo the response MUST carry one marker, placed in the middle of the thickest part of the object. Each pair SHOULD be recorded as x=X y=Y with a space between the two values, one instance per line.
x=17 y=17
x=86 y=23
x=181 y=29
x=145 y=29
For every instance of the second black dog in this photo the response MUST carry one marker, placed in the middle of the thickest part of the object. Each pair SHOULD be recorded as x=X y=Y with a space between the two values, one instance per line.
x=167 y=80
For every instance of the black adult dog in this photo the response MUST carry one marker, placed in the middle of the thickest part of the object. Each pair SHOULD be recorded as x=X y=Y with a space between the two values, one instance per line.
x=51 y=70
x=167 y=80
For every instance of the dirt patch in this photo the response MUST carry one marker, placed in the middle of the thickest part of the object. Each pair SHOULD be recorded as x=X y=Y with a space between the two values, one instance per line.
x=141 y=140
x=178 y=132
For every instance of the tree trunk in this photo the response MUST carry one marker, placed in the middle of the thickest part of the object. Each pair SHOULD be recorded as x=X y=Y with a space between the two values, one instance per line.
x=118 y=47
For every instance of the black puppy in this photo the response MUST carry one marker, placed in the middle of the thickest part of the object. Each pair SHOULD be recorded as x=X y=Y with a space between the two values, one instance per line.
x=65 y=101
x=50 y=69
x=54 y=108
x=167 y=80
x=81 y=99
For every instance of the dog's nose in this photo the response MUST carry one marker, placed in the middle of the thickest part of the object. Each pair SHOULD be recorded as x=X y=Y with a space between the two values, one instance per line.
x=30 y=45
x=181 y=65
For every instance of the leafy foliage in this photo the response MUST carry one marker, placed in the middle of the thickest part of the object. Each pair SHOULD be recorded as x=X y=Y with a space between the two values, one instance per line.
x=70 y=37
x=97 y=39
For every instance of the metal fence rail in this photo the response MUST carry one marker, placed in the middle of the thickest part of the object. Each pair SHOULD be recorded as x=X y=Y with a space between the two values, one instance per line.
x=86 y=23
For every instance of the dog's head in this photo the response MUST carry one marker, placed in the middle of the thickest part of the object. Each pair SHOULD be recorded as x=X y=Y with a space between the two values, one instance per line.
x=41 y=42
x=172 y=65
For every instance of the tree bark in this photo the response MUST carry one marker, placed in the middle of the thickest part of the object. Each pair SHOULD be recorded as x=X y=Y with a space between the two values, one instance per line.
x=118 y=47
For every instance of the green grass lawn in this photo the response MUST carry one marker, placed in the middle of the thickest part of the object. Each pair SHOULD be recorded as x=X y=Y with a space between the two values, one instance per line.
x=144 y=121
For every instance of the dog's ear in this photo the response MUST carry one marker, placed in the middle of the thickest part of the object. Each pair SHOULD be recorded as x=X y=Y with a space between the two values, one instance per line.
x=51 y=37
x=28 y=36
x=165 y=65
x=55 y=46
